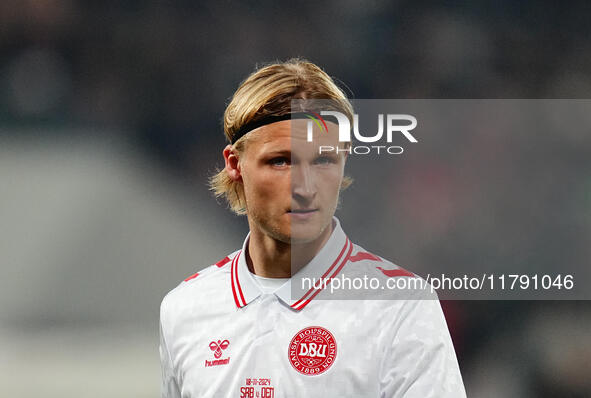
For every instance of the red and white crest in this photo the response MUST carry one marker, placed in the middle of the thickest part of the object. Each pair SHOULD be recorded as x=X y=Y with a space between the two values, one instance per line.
x=312 y=350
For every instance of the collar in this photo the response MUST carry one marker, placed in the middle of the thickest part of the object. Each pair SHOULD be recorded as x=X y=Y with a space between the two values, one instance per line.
x=327 y=263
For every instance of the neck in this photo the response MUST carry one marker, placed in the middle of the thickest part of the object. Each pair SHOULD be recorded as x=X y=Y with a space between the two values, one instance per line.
x=271 y=258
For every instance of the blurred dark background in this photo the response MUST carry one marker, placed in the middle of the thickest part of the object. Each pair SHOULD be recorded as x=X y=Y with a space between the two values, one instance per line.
x=110 y=124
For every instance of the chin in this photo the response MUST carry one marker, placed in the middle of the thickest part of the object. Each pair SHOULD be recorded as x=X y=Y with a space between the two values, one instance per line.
x=305 y=233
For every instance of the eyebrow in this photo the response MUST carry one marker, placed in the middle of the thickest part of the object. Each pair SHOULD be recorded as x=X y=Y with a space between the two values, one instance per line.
x=276 y=152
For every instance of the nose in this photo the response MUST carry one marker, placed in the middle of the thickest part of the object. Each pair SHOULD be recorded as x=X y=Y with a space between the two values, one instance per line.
x=303 y=184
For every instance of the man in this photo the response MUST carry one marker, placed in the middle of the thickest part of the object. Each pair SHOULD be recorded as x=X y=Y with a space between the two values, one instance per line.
x=243 y=327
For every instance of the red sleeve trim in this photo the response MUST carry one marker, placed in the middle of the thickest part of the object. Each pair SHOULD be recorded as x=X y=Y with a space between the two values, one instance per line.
x=396 y=272
x=195 y=275
x=364 y=256
x=223 y=262
x=219 y=264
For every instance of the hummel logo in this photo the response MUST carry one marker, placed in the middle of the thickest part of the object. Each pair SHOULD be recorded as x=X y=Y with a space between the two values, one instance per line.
x=218 y=347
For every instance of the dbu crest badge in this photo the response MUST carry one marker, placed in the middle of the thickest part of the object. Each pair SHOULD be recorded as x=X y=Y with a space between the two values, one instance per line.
x=312 y=350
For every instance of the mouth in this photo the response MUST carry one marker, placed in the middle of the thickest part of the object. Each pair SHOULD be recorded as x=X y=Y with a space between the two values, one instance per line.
x=302 y=211
x=302 y=214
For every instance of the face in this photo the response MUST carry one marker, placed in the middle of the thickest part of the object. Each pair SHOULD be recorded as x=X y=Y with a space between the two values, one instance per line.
x=291 y=190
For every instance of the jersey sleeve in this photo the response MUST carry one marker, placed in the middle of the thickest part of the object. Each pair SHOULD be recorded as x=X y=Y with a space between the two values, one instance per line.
x=169 y=385
x=419 y=359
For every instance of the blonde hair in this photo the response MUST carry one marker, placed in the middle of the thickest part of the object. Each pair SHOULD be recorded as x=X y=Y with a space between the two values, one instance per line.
x=269 y=91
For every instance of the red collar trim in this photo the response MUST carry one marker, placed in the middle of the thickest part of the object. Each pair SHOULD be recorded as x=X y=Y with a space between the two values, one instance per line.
x=236 y=288
x=333 y=270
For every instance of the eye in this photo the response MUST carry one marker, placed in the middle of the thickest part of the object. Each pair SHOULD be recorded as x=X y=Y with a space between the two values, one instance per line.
x=279 y=161
x=324 y=160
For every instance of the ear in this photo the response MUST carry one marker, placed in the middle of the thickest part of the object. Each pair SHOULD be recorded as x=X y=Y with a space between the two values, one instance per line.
x=232 y=166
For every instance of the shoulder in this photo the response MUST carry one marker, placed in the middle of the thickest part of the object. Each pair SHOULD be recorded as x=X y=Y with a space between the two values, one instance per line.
x=390 y=279
x=362 y=261
x=199 y=288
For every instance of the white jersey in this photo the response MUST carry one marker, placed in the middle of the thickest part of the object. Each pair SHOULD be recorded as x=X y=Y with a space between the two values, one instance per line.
x=222 y=336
